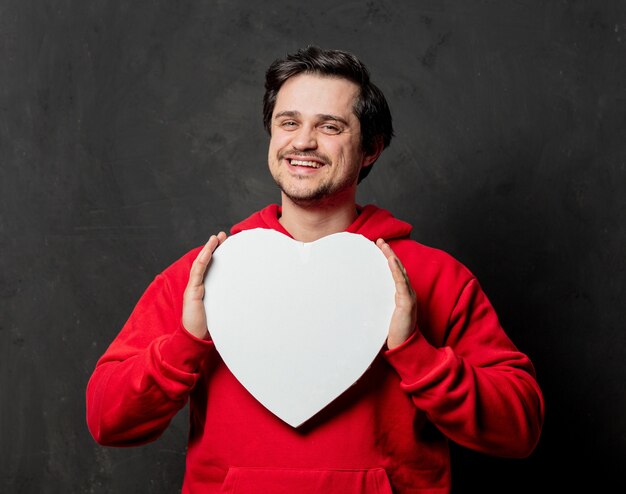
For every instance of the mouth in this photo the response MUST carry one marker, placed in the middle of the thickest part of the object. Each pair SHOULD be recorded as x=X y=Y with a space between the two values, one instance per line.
x=304 y=163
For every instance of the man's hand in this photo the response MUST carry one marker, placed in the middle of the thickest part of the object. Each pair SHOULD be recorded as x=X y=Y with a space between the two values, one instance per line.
x=404 y=317
x=194 y=316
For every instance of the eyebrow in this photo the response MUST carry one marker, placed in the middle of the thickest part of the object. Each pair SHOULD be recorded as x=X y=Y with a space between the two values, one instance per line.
x=321 y=116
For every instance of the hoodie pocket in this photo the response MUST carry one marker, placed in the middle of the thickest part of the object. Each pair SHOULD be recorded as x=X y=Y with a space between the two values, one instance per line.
x=240 y=480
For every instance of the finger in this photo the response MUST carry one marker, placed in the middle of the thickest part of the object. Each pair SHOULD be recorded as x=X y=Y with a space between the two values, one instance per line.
x=398 y=272
x=199 y=266
x=385 y=248
x=400 y=277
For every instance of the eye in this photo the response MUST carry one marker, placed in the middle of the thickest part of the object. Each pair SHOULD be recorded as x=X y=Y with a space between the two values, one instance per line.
x=288 y=124
x=331 y=129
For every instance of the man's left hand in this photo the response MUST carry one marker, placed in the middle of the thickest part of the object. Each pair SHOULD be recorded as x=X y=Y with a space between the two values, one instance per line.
x=404 y=317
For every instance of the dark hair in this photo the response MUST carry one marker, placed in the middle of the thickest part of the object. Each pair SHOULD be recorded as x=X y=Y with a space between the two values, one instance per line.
x=370 y=107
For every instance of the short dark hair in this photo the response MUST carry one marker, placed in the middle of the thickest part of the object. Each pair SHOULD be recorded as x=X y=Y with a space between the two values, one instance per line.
x=370 y=108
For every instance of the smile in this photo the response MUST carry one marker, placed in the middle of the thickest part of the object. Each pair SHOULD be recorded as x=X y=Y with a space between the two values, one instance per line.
x=310 y=164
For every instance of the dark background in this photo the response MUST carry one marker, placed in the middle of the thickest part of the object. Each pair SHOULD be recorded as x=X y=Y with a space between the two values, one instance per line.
x=131 y=130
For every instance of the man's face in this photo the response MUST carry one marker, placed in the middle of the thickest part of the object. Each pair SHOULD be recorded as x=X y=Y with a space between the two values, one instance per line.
x=315 y=152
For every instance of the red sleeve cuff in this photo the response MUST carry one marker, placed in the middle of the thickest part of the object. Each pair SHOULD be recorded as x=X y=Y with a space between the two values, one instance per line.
x=415 y=359
x=184 y=351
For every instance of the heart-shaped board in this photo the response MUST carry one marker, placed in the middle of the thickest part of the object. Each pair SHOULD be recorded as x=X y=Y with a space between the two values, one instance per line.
x=298 y=323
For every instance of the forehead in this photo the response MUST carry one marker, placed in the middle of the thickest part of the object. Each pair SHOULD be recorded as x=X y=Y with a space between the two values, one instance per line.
x=312 y=94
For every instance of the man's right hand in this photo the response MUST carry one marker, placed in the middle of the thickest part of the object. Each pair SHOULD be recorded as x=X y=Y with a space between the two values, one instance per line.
x=194 y=316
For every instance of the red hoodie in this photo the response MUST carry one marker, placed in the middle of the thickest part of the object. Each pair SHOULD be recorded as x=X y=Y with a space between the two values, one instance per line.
x=458 y=377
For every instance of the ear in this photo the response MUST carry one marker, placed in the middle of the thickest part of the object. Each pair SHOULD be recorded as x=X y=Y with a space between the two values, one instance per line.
x=372 y=156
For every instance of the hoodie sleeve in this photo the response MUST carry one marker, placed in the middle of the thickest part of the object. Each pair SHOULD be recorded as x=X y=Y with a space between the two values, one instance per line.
x=461 y=369
x=147 y=373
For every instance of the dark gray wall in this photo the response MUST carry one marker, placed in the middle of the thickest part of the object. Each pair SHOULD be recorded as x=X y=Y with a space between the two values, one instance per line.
x=131 y=130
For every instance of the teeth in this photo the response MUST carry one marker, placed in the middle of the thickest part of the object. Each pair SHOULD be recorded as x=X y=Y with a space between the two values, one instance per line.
x=312 y=164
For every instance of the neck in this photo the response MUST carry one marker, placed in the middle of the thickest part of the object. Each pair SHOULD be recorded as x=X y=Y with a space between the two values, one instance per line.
x=307 y=223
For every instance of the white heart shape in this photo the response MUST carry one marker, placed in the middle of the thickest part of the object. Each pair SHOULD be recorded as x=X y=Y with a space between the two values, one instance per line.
x=298 y=323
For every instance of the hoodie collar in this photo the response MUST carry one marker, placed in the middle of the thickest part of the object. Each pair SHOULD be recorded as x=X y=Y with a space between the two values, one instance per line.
x=373 y=223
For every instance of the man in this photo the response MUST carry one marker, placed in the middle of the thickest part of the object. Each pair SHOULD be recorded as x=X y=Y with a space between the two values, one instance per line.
x=447 y=372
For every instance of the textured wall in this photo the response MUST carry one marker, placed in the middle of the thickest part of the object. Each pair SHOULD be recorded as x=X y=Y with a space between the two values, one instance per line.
x=130 y=131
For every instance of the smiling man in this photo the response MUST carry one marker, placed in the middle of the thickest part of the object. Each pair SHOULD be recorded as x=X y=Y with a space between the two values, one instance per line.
x=316 y=154
x=448 y=371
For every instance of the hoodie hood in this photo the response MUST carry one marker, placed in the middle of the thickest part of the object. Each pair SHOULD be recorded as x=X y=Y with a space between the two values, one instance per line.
x=373 y=223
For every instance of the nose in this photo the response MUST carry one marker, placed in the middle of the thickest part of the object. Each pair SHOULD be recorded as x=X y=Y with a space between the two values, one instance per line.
x=305 y=138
